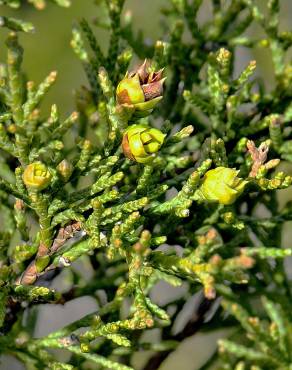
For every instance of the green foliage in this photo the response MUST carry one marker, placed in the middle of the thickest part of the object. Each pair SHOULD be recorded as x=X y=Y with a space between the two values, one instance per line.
x=268 y=339
x=68 y=190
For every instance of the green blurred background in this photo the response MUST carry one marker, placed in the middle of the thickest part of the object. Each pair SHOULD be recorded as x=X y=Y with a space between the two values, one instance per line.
x=49 y=49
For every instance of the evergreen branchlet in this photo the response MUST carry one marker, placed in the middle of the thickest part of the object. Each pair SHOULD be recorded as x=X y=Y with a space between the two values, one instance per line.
x=182 y=163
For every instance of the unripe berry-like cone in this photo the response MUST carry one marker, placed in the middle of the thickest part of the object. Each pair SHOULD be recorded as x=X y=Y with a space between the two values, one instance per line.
x=37 y=176
x=141 y=143
x=65 y=169
x=221 y=185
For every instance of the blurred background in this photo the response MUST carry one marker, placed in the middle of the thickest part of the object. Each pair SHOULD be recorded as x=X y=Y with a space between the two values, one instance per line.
x=49 y=49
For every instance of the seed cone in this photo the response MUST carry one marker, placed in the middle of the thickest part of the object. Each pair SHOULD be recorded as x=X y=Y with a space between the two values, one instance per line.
x=221 y=185
x=37 y=176
x=142 y=88
x=141 y=143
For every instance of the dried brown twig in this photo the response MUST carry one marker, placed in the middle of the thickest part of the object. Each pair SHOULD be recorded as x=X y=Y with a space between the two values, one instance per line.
x=258 y=155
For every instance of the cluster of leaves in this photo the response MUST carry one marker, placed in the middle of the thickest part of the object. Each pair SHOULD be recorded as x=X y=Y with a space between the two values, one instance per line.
x=68 y=191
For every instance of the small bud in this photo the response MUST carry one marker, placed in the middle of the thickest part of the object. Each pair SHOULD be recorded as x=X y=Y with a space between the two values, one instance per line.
x=229 y=217
x=128 y=17
x=22 y=338
x=221 y=185
x=65 y=169
x=12 y=128
x=85 y=348
x=96 y=204
x=141 y=88
x=140 y=143
x=19 y=205
x=36 y=176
